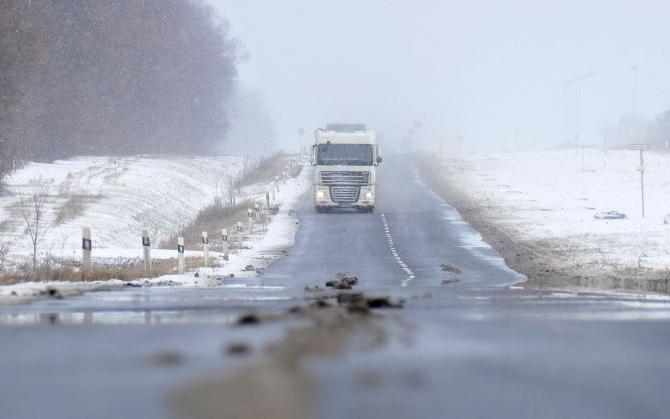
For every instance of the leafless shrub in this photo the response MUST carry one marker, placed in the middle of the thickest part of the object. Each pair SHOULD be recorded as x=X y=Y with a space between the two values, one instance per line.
x=33 y=213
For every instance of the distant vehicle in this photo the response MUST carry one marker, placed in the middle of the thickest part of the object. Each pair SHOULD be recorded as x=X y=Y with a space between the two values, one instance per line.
x=345 y=157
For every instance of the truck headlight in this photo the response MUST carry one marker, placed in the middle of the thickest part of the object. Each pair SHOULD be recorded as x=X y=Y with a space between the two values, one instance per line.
x=369 y=194
x=320 y=194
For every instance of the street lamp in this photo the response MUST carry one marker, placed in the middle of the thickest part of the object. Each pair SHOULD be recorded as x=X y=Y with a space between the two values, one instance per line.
x=577 y=82
x=301 y=132
x=634 y=70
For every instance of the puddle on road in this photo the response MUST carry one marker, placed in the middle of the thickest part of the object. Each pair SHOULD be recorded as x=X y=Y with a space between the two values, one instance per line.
x=149 y=317
x=206 y=310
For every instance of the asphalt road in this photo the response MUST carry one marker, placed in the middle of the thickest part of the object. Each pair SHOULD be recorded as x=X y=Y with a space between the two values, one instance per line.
x=472 y=348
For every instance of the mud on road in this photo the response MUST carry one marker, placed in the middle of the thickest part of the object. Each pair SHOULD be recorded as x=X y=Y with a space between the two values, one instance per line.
x=279 y=385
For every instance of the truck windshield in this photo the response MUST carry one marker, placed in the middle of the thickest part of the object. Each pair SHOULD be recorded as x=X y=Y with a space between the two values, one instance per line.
x=346 y=154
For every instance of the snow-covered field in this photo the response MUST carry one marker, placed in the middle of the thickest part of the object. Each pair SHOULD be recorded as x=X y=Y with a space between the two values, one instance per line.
x=130 y=194
x=551 y=198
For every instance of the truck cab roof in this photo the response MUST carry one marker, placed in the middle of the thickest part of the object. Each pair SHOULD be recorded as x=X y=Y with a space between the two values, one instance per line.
x=337 y=137
x=346 y=127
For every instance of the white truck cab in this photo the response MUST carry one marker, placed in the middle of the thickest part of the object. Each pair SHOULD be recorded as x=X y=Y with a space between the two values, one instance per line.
x=345 y=157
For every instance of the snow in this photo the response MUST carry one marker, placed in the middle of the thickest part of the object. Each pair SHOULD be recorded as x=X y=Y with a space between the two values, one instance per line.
x=552 y=197
x=133 y=197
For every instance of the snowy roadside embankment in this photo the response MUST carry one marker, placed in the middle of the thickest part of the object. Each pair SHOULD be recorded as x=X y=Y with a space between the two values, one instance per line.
x=261 y=248
x=116 y=197
x=197 y=183
x=539 y=209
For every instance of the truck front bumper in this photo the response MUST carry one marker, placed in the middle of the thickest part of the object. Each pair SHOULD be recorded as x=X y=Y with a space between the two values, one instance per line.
x=323 y=197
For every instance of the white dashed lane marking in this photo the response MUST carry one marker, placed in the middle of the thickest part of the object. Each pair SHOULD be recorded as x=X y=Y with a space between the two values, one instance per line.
x=394 y=251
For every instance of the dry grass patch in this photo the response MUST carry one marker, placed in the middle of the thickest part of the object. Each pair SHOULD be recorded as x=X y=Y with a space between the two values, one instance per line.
x=211 y=219
x=69 y=273
x=265 y=169
x=73 y=207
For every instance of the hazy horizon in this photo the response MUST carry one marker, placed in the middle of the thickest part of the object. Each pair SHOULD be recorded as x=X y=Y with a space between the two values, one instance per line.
x=492 y=73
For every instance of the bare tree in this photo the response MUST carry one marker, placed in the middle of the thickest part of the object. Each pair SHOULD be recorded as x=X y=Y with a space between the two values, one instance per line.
x=4 y=252
x=33 y=211
x=232 y=191
x=113 y=77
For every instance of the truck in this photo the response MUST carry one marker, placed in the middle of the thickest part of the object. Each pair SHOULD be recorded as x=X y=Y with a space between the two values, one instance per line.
x=345 y=159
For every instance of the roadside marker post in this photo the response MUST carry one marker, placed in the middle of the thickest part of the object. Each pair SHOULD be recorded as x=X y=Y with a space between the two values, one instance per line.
x=224 y=237
x=250 y=214
x=87 y=247
x=239 y=233
x=180 y=254
x=146 y=247
x=205 y=248
x=257 y=215
x=267 y=199
x=640 y=168
x=276 y=184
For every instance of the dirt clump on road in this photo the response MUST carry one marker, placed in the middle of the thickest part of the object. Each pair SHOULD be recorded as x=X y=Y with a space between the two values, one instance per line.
x=247 y=319
x=342 y=282
x=449 y=268
x=359 y=303
x=449 y=281
x=167 y=358
x=238 y=348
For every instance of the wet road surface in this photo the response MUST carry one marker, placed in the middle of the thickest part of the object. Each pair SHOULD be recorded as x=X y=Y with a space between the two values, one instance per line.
x=472 y=348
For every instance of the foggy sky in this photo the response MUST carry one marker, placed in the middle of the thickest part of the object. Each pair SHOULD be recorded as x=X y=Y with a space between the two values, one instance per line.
x=489 y=71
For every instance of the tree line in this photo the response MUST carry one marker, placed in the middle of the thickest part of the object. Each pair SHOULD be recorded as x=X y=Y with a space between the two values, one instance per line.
x=101 y=77
x=634 y=129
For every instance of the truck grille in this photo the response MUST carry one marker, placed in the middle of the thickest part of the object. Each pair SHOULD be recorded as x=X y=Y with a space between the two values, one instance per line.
x=345 y=194
x=345 y=178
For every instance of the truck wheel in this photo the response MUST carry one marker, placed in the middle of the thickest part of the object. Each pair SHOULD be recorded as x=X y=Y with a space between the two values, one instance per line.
x=320 y=210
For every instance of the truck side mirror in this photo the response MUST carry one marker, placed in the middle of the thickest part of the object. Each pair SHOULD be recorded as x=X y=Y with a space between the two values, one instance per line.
x=314 y=155
x=379 y=159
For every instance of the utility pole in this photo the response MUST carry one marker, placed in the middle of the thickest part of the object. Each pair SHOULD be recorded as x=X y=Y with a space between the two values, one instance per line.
x=301 y=133
x=577 y=82
x=415 y=134
x=634 y=70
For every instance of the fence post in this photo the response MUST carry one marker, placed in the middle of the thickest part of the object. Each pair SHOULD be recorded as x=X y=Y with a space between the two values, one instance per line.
x=205 y=248
x=180 y=252
x=87 y=247
x=224 y=236
x=146 y=246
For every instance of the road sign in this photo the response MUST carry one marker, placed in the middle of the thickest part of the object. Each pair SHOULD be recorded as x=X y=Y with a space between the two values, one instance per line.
x=640 y=168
